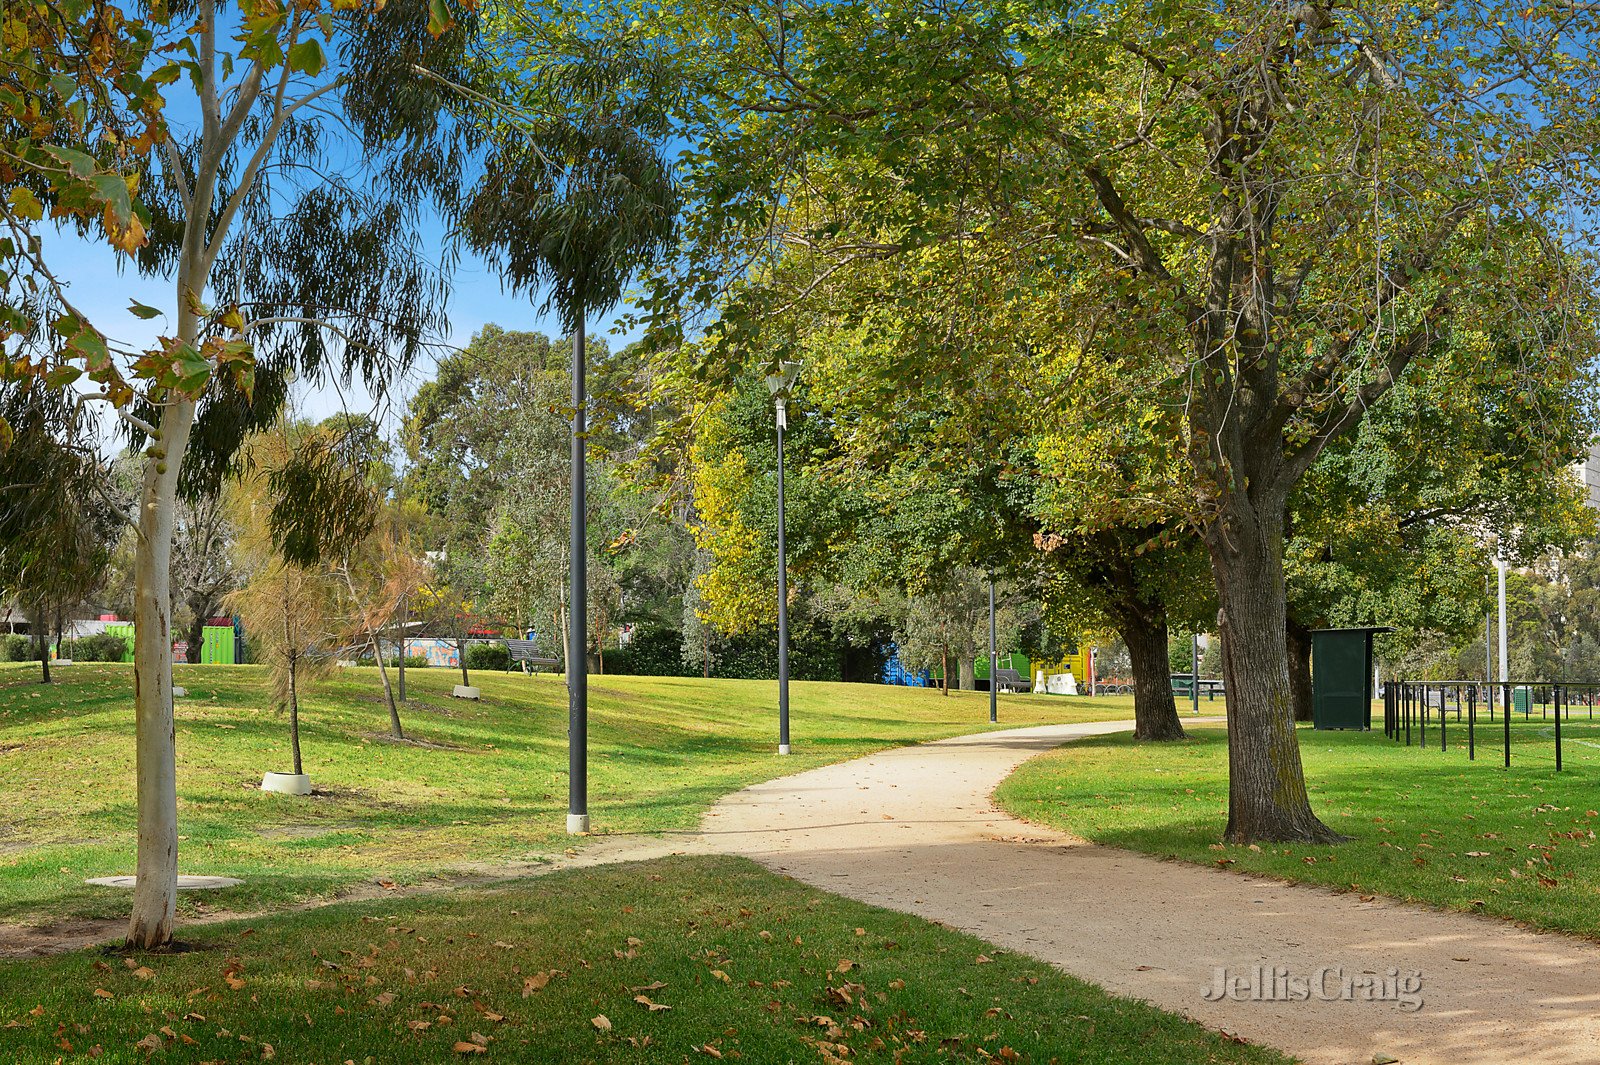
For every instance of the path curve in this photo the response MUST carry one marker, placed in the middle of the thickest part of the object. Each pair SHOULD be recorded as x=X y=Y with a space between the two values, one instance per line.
x=914 y=829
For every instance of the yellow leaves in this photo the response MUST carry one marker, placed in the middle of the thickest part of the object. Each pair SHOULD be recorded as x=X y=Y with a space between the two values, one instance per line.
x=25 y=204
x=720 y=975
x=601 y=1023
x=125 y=238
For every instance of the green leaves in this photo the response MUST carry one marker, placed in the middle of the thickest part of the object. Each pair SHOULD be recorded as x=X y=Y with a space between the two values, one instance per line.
x=439 y=17
x=142 y=310
x=112 y=190
x=307 y=58
x=78 y=164
x=25 y=204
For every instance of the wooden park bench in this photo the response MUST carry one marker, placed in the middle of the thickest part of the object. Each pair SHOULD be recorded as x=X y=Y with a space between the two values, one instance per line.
x=524 y=651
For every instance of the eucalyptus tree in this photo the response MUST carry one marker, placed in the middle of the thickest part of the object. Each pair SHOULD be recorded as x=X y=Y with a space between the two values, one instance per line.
x=56 y=529
x=285 y=219
x=576 y=199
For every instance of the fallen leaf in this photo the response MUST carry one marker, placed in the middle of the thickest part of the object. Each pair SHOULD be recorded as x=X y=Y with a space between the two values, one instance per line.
x=533 y=983
x=653 y=1007
x=720 y=975
x=601 y=1023
x=654 y=985
x=464 y=1047
x=983 y=959
x=101 y=992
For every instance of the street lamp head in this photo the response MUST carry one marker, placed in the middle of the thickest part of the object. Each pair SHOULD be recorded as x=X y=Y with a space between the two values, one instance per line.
x=781 y=381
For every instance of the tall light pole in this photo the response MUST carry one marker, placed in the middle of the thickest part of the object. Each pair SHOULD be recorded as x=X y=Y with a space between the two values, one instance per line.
x=781 y=384
x=994 y=681
x=1505 y=669
x=578 y=607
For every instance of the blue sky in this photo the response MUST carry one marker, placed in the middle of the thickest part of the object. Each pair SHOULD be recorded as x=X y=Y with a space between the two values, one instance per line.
x=102 y=285
x=102 y=290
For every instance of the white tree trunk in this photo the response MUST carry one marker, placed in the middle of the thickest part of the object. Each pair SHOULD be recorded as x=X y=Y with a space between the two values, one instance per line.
x=155 y=893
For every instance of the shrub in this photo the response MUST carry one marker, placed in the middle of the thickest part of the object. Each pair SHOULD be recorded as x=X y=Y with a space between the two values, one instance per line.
x=14 y=648
x=488 y=656
x=101 y=647
x=412 y=662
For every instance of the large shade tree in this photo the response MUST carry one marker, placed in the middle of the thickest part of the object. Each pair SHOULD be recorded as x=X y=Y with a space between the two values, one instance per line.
x=1272 y=215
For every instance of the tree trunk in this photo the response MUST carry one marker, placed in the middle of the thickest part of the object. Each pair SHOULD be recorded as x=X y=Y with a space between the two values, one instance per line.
x=1298 y=639
x=1155 y=712
x=155 y=892
x=294 y=715
x=944 y=670
x=1267 y=800
x=968 y=669
x=388 y=693
x=197 y=634
x=41 y=641
x=461 y=654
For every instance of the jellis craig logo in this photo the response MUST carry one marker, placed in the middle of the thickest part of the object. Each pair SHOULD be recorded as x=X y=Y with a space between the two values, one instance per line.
x=1330 y=983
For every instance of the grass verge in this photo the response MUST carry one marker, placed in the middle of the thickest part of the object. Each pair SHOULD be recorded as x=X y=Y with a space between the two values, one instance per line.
x=483 y=785
x=1427 y=825
x=680 y=959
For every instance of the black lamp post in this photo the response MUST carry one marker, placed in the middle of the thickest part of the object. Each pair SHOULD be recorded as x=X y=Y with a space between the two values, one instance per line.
x=781 y=384
x=578 y=607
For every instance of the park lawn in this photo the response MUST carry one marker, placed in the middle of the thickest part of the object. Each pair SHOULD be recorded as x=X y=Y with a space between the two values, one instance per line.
x=483 y=787
x=749 y=966
x=1427 y=826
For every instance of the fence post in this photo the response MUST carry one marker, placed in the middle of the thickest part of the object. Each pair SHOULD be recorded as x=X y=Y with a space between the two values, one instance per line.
x=1472 y=722
x=1442 y=717
x=1555 y=695
x=1505 y=716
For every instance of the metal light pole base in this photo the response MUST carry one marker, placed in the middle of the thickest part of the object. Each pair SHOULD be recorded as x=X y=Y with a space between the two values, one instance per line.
x=577 y=824
x=783 y=748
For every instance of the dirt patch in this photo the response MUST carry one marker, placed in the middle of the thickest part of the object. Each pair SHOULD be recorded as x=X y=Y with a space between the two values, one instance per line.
x=33 y=941
x=409 y=741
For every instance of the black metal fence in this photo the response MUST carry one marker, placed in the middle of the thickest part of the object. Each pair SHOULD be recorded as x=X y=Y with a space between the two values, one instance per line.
x=1411 y=708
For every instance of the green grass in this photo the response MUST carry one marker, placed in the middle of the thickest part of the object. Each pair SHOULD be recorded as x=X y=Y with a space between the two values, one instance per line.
x=1427 y=826
x=755 y=967
x=486 y=786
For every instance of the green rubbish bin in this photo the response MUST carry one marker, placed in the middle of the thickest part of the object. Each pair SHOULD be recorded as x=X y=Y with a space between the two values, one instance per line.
x=1521 y=700
x=1341 y=677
